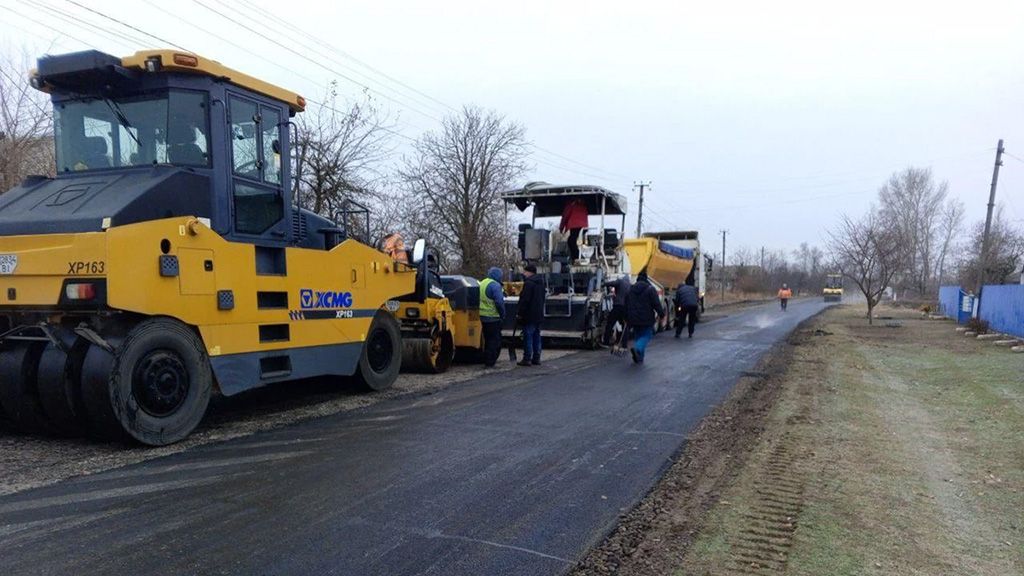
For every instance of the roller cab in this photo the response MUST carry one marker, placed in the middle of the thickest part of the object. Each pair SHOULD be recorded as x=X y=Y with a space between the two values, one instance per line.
x=169 y=259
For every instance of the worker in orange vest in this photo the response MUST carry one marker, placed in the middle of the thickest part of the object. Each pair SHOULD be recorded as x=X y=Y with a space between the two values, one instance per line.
x=394 y=246
x=784 y=295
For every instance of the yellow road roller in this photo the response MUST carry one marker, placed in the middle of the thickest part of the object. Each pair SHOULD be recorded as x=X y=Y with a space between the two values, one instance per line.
x=169 y=258
x=440 y=321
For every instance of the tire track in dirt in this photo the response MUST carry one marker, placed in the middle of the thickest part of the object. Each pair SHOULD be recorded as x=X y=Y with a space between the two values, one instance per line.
x=762 y=547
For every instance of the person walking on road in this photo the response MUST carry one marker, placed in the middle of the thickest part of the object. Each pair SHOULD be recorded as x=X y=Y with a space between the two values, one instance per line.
x=643 y=309
x=492 y=312
x=621 y=285
x=530 y=314
x=784 y=295
x=687 y=302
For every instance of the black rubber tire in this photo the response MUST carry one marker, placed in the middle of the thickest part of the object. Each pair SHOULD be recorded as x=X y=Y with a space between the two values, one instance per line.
x=380 y=359
x=59 y=386
x=112 y=403
x=19 y=369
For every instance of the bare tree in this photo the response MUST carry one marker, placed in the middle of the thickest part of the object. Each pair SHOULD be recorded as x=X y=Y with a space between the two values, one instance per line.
x=869 y=253
x=911 y=203
x=26 y=125
x=1006 y=252
x=338 y=154
x=950 y=225
x=454 y=178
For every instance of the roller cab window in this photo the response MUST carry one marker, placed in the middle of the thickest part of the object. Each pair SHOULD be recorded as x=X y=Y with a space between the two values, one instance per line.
x=255 y=134
x=169 y=127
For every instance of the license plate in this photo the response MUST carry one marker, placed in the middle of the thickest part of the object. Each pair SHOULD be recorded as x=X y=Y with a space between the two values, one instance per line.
x=8 y=262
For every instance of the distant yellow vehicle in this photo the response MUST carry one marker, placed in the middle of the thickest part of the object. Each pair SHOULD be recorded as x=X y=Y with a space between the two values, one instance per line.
x=169 y=258
x=833 y=291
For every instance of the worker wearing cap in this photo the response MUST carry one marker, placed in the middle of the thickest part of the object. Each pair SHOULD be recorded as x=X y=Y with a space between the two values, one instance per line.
x=492 y=312
x=530 y=314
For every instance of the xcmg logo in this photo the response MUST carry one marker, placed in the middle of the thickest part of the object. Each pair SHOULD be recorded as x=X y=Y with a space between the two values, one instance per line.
x=327 y=299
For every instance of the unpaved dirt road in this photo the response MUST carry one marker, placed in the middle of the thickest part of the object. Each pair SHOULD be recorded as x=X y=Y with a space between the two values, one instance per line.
x=510 y=475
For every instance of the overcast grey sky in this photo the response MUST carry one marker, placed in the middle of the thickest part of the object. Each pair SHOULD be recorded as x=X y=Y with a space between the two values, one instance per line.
x=766 y=118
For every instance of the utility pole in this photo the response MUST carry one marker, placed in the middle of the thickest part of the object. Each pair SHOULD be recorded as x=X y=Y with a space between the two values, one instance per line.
x=722 y=266
x=640 y=213
x=985 y=239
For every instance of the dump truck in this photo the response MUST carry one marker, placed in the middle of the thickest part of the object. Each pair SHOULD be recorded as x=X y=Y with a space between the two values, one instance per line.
x=577 y=303
x=169 y=258
x=833 y=290
x=670 y=259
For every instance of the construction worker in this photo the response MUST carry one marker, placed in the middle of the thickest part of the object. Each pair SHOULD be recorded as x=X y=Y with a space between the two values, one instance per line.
x=492 y=312
x=686 y=301
x=784 y=295
x=643 y=309
x=394 y=246
x=621 y=286
x=574 y=219
x=530 y=314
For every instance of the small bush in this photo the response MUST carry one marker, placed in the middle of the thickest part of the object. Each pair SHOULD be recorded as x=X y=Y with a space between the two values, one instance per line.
x=927 y=308
x=977 y=325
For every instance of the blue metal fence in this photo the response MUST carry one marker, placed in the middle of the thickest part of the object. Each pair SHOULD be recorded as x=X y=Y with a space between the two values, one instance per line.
x=1002 y=306
x=949 y=301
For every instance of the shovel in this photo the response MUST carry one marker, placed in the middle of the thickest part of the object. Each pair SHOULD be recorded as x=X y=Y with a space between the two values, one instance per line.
x=512 y=357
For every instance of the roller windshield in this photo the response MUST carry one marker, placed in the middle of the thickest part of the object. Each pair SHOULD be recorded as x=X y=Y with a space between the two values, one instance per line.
x=168 y=127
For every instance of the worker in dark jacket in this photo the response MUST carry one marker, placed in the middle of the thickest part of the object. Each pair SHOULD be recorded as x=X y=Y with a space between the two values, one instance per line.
x=492 y=312
x=687 y=301
x=621 y=285
x=643 y=309
x=530 y=315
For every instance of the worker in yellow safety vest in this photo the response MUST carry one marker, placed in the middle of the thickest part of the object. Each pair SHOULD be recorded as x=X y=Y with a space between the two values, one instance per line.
x=492 y=312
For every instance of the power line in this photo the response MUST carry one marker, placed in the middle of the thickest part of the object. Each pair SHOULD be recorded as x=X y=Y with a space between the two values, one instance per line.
x=346 y=55
x=313 y=61
x=64 y=16
x=156 y=6
x=51 y=28
x=292 y=50
x=1018 y=159
x=112 y=19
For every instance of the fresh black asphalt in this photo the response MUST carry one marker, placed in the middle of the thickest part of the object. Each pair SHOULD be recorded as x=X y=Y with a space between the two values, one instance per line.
x=520 y=473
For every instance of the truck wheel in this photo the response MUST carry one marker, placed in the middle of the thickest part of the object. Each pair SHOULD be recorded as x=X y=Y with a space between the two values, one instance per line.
x=19 y=368
x=381 y=357
x=59 y=386
x=157 y=387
